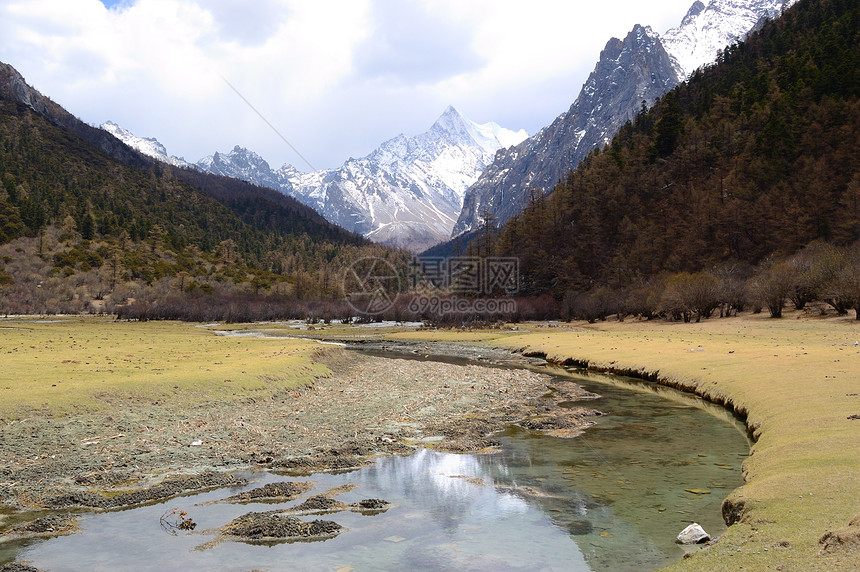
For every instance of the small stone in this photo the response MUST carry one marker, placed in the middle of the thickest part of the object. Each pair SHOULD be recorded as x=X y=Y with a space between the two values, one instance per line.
x=693 y=534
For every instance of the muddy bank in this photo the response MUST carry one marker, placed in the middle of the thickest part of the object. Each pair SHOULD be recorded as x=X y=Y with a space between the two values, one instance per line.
x=167 y=489
x=369 y=406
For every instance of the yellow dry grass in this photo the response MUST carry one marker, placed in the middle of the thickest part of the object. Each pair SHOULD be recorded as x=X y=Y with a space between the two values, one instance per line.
x=64 y=365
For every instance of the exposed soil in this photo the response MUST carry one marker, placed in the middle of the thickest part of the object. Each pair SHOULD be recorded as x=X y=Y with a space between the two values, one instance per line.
x=845 y=539
x=17 y=567
x=45 y=527
x=282 y=525
x=274 y=525
x=273 y=492
x=373 y=504
x=167 y=489
x=319 y=504
x=136 y=453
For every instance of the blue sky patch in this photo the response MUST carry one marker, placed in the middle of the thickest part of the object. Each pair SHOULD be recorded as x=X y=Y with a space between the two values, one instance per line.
x=112 y=3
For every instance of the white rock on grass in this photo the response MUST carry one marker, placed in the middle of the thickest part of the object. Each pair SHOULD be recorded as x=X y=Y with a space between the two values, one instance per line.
x=693 y=534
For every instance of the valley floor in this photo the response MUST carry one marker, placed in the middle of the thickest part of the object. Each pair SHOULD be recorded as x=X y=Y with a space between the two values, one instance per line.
x=97 y=405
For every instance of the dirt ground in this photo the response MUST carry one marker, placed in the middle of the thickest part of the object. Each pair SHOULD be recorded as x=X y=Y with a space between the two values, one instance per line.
x=369 y=406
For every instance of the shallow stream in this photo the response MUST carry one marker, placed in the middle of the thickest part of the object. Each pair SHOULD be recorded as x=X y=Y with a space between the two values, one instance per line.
x=613 y=499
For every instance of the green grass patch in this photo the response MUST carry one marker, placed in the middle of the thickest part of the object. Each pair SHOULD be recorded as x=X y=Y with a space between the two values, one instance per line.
x=64 y=365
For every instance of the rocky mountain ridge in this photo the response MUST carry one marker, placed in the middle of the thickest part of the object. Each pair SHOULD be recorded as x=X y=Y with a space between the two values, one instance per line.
x=629 y=74
x=407 y=193
x=149 y=146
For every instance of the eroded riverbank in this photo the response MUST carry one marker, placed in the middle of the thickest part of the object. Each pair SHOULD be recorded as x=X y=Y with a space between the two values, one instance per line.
x=795 y=381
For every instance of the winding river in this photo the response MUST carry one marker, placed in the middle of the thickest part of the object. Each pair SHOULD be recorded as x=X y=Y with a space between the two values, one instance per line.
x=613 y=499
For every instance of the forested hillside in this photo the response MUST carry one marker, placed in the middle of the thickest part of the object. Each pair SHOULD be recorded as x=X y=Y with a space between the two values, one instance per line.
x=737 y=169
x=89 y=224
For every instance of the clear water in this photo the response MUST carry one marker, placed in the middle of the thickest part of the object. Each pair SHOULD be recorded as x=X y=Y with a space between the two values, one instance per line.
x=612 y=500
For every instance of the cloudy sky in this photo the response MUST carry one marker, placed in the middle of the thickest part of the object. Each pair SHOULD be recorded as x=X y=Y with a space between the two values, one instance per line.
x=335 y=77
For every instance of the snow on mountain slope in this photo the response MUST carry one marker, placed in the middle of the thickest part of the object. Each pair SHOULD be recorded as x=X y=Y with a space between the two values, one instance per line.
x=242 y=164
x=708 y=29
x=629 y=71
x=409 y=191
x=147 y=145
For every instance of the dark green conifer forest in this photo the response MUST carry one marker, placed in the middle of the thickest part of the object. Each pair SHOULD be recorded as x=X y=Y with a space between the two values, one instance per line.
x=751 y=162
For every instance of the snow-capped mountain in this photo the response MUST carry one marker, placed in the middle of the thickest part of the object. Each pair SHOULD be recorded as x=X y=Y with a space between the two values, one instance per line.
x=409 y=191
x=642 y=67
x=707 y=29
x=240 y=163
x=629 y=72
x=149 y=146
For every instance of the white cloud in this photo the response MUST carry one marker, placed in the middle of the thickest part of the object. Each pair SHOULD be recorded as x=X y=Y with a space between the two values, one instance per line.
x=412 y=42
x=336 y=77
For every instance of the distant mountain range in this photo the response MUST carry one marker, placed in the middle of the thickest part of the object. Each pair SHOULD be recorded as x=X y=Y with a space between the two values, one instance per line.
x=407 y=193
x=630 y=73
x=415 y=192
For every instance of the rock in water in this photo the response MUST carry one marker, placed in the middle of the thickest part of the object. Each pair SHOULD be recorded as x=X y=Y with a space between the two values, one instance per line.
x=693 y=534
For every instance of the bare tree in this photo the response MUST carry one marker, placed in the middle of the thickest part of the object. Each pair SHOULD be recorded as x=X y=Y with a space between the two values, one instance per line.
x=733 y=287
x=844 y=290
x=687 y=295
x=773 y=285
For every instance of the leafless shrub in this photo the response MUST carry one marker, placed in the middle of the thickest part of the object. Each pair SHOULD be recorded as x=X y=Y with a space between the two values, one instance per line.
x=691 y=295
x=772 y=286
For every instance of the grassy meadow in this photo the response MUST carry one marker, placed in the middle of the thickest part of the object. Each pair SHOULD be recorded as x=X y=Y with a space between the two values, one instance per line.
x=63 y=365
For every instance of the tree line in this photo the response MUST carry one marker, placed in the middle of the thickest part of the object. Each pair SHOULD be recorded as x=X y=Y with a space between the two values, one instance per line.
x=819 y=279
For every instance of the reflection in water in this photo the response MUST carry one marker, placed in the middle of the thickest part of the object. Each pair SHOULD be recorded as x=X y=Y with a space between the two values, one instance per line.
x=613 y=500
x=464 y=514
x=454 y=486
